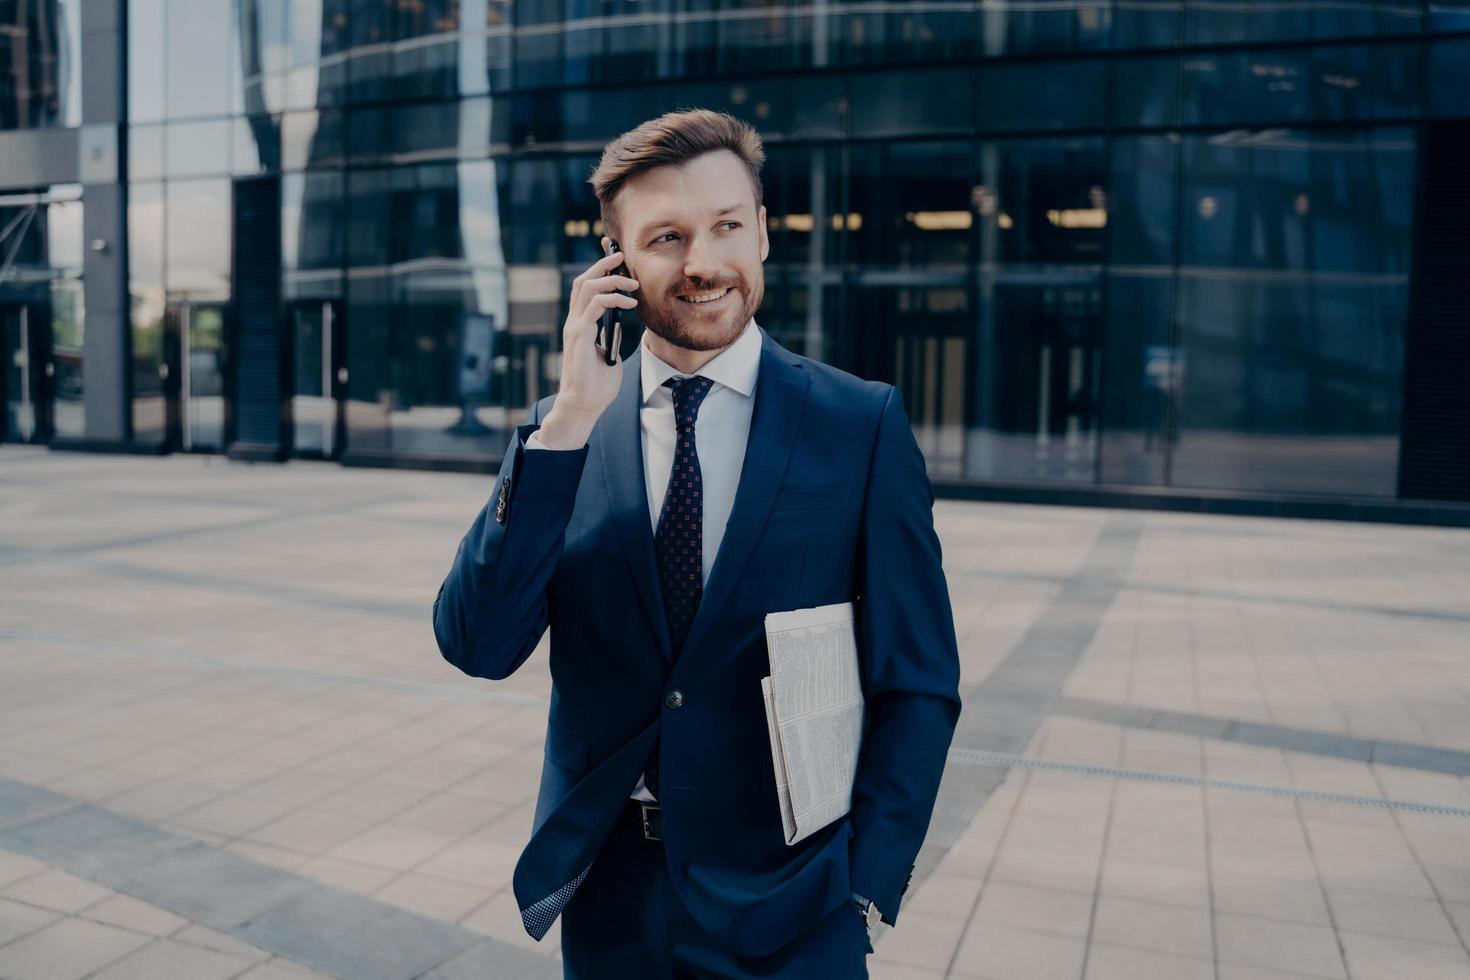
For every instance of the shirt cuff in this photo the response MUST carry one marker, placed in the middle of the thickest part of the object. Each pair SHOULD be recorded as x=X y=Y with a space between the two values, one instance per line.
x=534 y=443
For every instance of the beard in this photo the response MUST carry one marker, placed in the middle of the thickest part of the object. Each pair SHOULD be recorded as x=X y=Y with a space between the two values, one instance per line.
x=690 y=326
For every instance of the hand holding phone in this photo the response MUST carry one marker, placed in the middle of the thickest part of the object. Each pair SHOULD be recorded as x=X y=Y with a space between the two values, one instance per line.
x=610 y=325
x=591 y=369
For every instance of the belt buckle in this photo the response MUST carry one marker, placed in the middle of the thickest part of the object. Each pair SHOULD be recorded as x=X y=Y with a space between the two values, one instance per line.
x=648 y=831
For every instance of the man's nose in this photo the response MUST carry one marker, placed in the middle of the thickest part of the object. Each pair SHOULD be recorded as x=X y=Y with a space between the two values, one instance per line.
x=699 y=259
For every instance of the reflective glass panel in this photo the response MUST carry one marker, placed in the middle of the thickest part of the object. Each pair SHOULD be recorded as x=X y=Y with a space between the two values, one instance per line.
x=1145 y=91
x=40 y=64
x=1138 y=358
x=926 y=101
x=197 y=239
x=1044 y=95
x=1293 y=296
x=1285 y=20
x=1449 y=78
x=197 y=149
x=146 y=296
x=1449 y=15
x=1343 y=82
x=1147 y=24
x=145 y=60
x=199 y=34
x=1042 y=212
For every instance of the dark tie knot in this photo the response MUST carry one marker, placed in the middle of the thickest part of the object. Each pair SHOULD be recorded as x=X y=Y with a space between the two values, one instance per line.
x=689 y=393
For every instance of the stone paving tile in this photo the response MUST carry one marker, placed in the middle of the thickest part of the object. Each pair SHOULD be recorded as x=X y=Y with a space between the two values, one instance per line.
x=1066 y=913
x=56 y=890
x=1317 y=628
x=200 y=935
x=1156 y=882
x=353 y=937
x=434 y=897
x=66 y=950
x=928 y=942
x=1151 y=925
x=1001 y=952
x=310 y=830
x=1283 y=896
x=1108 y=962
x=944 y=895
x=1371 y=957
x=280 y=969
x=164 y=958
x=18 y=919
x=1360 y=910
x=128 y=912
x=1254 y=941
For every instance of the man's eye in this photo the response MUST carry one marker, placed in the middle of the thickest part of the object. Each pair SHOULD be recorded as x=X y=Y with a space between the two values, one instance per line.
x=735 y=223
x=663 y=236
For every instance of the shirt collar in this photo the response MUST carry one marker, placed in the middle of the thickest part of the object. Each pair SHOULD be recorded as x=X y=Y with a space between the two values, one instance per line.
x=735 y=367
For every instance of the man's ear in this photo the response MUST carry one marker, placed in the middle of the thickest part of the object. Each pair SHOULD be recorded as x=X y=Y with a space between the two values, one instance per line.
x=765 y=238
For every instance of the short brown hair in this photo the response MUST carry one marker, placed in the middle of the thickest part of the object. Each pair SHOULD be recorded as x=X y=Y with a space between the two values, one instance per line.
x=674 y=138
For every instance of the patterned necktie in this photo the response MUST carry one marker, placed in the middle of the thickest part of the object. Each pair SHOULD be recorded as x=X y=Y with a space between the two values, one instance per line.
x=678 y=544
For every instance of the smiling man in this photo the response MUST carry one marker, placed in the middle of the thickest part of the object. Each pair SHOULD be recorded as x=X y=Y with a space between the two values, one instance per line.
x=652 y=512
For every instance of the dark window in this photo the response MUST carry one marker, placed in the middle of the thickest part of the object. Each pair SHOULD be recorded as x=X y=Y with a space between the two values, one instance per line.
x=1042 y=95
x=1449 y=15
x=1147 y=24
x=1449 y=77
x=1293 y=292
x=1145 y=91
x=1360 y=82
x=913 y=101
x=1271 y=20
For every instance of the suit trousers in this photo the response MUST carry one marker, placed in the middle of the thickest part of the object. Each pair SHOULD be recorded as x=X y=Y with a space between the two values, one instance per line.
x=626 y=921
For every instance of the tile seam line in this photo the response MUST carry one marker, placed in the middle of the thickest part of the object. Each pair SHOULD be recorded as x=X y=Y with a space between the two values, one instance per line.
x=191 y=844
x=1006 y=760
x=1057 y=708
x=1264 y=734
x=325 y=676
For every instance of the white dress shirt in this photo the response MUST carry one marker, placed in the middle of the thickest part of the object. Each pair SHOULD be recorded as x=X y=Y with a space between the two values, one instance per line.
x=720 y=433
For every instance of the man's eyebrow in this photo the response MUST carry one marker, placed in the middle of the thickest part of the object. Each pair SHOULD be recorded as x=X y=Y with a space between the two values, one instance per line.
x=650 y=226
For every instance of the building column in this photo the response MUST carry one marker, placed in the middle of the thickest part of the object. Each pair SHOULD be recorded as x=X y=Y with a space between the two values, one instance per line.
x=106 y=352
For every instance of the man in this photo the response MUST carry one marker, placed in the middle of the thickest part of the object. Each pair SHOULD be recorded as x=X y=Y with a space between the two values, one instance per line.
x=653 y=516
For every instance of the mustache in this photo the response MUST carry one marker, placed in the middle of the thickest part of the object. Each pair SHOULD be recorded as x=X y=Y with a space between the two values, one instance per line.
x=694 y=290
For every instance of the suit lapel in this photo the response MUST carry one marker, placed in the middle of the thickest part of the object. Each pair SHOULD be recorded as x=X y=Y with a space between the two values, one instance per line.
x=621 y=444
x=780 y=394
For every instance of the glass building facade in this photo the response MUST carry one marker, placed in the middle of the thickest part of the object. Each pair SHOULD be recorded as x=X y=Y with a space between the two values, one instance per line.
x=1144 y=244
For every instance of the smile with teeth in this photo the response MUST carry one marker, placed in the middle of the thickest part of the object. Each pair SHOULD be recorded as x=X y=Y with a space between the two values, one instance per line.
x=705 y=297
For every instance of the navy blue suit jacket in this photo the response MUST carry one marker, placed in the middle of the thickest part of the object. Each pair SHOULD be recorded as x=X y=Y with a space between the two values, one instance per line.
x=834 y=504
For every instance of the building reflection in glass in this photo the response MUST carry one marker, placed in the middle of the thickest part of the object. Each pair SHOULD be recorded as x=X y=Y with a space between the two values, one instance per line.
x=1083 y=255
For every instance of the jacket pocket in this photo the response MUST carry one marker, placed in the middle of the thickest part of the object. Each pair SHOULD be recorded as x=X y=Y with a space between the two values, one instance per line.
x=566 y=749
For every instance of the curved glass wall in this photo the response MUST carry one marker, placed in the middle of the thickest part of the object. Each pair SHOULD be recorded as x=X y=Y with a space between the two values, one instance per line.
x=40 y=64
x=1154 y=242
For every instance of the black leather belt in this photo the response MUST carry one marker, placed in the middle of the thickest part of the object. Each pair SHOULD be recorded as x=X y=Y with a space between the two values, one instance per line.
x=646 y=817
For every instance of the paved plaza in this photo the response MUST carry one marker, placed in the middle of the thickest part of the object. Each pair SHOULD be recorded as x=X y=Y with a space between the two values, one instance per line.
x=1192 y=746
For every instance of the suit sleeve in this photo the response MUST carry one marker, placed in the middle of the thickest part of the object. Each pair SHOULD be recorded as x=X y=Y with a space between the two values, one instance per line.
x=909 y=665
x=491 y=610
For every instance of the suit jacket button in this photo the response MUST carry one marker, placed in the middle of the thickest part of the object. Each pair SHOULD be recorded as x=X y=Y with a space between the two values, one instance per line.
x=674 y=699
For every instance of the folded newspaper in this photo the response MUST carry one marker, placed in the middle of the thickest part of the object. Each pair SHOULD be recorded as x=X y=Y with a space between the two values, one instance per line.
x=814 y=710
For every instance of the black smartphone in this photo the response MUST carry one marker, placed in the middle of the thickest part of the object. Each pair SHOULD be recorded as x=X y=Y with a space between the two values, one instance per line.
x=607 y=325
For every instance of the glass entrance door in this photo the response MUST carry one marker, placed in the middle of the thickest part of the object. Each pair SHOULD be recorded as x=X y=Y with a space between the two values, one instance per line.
x=319 y=378
x=23 y=375
x=202 y=356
